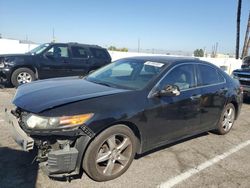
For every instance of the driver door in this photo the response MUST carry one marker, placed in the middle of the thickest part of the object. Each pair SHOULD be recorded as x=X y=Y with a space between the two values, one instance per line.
x=174 y=117
x=55 y=62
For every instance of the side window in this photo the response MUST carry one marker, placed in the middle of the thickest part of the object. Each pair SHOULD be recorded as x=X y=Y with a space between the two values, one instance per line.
x=99 y=53
x=221 y=78
x=182 y=76
x=208 y=75
x=79 y=52
x=58 y=51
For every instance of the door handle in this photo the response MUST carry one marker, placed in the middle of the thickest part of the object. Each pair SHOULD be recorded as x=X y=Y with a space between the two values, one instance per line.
x=195 y=97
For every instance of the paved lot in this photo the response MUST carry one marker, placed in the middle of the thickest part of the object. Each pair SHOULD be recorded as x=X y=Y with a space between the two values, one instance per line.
x=207 y=160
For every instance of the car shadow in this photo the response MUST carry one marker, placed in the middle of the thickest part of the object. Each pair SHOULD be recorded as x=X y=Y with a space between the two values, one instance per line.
x=17 y=169
x=138 y=156
x=7 y=86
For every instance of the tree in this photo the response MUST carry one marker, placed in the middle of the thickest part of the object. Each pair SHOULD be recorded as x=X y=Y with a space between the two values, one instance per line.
x=113 y=48
x=124 y=50
x=199 y=53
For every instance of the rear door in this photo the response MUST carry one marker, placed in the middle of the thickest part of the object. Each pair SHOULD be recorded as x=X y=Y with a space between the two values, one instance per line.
x=55 y=62
x=100 y=56
x=213 y=94
x=80 y=60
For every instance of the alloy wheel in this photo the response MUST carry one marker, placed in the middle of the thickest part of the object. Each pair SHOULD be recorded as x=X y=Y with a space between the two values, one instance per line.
x=114 y=154
x=228 y=119
x=24 y=77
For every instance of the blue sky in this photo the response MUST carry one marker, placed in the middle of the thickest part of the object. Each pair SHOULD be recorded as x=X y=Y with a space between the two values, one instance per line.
x=160 y=24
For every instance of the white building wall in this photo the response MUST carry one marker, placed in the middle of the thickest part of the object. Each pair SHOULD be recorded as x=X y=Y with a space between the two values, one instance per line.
x=9 y=46
x=229 y=64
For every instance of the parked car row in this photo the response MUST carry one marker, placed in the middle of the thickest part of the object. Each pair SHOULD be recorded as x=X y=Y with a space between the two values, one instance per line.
x=100 y=122
x=52 y=60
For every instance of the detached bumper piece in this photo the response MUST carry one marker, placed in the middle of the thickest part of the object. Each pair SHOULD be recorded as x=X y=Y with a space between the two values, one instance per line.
x=21 y=138
x=62 y=161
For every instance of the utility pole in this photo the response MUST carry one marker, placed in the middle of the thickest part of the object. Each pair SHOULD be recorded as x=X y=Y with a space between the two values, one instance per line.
x=237 y=49
x=213 y=51
x=138 y=45
x=204 y=51
x=247 y=40
x=216 y=48
x=53 y=35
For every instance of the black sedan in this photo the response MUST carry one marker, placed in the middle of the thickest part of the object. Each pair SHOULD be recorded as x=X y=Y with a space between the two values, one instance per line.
x=100 y=122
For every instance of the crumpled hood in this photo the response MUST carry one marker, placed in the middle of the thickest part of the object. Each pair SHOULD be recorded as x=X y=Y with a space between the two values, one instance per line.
x=17 y=58
x=14 y=55
x=38 y=96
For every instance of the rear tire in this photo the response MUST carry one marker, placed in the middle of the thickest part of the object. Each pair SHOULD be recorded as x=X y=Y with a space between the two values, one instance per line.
x=227 y=119
x=110 y=154
x=22 y=76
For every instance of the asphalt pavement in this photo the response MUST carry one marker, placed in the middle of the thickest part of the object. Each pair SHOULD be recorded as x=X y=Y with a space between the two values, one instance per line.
x=207 y=160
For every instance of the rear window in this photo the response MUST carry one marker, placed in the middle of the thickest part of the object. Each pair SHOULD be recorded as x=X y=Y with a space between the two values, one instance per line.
x=99 y=53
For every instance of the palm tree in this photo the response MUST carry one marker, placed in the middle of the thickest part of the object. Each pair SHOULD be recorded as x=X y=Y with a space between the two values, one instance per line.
x=238 y=29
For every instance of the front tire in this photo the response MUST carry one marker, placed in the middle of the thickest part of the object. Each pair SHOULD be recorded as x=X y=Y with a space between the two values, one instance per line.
x=22 y=76
x=110 y=154
x=227 y=119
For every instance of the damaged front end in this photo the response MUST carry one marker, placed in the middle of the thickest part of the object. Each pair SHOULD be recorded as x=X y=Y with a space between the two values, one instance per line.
x=60 y=151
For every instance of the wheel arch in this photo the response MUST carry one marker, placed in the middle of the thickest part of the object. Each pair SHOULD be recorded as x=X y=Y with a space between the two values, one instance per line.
x=137 y=133
x=133 y=127
x=236 y=106
x=27 y=67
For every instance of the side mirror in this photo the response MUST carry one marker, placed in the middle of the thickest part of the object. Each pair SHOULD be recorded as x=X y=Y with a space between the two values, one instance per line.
x=90 y=72
x=168 y=90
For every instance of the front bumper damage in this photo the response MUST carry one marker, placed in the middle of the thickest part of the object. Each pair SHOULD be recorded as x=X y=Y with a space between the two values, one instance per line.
x=21 y=138
x=60 y=153
x=5 y=76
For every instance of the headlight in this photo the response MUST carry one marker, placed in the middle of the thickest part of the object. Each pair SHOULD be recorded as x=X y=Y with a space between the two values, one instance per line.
x=38 y=122
x=1 y=65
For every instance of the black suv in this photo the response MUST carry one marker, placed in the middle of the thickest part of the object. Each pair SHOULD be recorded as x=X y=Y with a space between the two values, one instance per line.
x=52 y=60
x=243 y=75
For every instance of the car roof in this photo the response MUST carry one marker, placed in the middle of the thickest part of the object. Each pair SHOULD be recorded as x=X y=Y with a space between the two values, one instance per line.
x=164 y=59
x=79 y=44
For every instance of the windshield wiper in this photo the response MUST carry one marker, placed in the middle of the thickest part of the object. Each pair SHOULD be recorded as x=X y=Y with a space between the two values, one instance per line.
x=105 y=84
x=102 y=83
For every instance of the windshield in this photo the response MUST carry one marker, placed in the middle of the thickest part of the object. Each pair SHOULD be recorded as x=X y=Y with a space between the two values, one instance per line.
x=127 y=73
x=38 y=49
